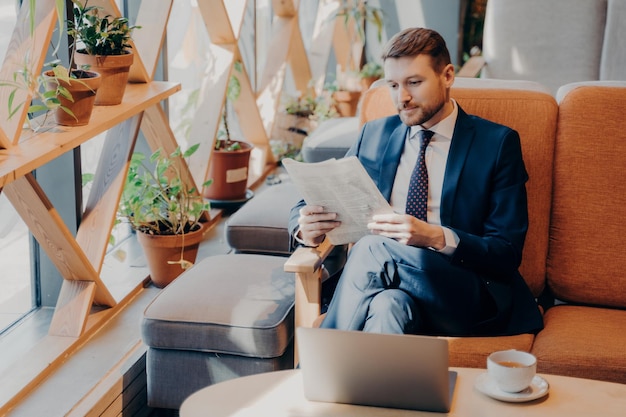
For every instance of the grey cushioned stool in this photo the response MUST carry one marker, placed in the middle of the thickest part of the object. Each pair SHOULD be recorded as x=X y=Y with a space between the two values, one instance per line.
x=260 y=225
x=228 y=316
x=331 y=139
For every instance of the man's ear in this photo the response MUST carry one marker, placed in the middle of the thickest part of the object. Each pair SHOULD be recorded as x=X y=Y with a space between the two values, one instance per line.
x=448 y=75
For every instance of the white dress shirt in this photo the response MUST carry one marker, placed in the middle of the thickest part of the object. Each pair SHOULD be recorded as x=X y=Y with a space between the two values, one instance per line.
x=436 y=159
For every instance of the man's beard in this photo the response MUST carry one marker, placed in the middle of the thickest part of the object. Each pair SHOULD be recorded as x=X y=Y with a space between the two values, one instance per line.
x=421 y=114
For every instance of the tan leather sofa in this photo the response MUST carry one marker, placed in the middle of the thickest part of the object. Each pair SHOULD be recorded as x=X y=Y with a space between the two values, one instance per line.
x=575 y=154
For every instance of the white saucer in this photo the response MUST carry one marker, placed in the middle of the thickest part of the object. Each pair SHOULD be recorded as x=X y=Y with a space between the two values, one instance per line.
x=537 y=389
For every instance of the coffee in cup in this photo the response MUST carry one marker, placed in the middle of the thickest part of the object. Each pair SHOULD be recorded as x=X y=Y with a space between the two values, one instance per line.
x=512 y=370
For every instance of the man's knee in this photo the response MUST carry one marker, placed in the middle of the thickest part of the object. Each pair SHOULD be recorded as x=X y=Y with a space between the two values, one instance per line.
x=368 y=244
x=391 y=311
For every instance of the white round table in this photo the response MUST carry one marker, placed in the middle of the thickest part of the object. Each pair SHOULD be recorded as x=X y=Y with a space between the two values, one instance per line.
x=279 y=394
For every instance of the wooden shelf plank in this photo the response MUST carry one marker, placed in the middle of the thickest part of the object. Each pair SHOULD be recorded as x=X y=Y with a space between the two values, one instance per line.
x=45 y=223
x=212 y=96
x=72 y=309
x=37 y=149
x=218 y=19
x=108 y=184
x=153 y=16
x=321 y=42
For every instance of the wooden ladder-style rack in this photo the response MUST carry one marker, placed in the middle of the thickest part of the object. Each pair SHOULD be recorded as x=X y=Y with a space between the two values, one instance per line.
x=223 y=21
x=79 y=258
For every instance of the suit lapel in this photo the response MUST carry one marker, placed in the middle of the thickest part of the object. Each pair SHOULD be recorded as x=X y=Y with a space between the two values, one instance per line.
x=391 y=159
x=459 y=148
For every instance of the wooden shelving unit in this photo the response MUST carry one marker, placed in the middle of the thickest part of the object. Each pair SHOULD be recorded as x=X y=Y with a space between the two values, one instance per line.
x=256 y=110
x=79 y=258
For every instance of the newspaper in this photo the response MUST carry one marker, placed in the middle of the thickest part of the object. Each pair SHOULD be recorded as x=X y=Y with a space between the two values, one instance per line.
x=341 y=186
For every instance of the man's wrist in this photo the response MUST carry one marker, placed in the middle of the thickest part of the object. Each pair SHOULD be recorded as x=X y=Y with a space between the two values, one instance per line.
x=301 y=241
x=451 y=241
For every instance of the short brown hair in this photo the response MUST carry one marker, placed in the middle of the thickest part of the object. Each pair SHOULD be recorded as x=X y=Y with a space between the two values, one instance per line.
x=417 y=41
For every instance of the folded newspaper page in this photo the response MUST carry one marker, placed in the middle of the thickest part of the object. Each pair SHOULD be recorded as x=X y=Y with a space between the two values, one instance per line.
x=341 y=186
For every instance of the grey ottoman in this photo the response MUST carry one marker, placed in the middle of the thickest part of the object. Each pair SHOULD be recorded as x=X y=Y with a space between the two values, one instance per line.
x=260 y=225
x=331 y=139
x=228 y=316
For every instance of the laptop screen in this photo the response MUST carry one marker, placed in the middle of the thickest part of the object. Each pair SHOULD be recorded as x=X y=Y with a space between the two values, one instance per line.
x=394 y=371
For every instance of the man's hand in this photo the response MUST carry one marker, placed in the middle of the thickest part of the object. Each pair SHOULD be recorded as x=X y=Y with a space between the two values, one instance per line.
x=314 y=224
x=408 y=230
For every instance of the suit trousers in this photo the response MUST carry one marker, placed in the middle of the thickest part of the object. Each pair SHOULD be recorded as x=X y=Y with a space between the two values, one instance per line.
x=389 y=287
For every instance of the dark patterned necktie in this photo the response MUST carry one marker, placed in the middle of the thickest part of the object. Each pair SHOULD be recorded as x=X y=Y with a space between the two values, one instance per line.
x=417 y=196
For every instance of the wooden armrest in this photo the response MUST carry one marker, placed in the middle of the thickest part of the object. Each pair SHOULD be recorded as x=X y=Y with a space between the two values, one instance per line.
x=307 y=265
x=308 y=260
x=472 y=67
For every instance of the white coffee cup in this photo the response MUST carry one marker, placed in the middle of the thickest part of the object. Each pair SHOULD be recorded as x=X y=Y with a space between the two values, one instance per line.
x=512 y=370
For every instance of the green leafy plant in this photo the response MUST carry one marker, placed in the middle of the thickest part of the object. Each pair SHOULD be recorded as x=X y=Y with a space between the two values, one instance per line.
x=86 y=27
x=302 y=105
x=99 y=35
x=361 y=13
x=42 y=98
x=357 y=15
x=371 y=69
x=156 y=200
x=224 y=140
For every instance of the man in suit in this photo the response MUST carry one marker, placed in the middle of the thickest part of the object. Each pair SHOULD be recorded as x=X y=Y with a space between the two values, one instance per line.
x=454 y=272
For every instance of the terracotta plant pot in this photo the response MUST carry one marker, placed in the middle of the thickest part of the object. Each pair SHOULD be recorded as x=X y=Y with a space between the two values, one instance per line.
x=114 y=70
x=162 y=249
x=229 y=172
x=83 y=92
x=346 y=102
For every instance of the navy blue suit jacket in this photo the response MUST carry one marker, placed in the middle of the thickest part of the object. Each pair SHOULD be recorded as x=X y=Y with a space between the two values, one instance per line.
x=483 y=201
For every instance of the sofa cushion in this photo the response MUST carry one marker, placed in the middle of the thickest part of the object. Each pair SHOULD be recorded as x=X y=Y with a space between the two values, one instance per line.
x=532 y=112
x=260 y=225
x=238 y=304
x=583 y=342
x=586 y=260
x=472 y=352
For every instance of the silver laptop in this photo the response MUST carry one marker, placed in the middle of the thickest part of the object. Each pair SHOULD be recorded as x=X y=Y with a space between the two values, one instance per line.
x=395 y=371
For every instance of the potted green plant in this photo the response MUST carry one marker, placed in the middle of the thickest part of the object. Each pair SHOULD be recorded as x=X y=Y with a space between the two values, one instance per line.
x=164 y=211
x=369 y=73
x=228 y=168
x=356 y=14
x=293 y=124
x=50 y=91
x=74 y=88
x=105 y=47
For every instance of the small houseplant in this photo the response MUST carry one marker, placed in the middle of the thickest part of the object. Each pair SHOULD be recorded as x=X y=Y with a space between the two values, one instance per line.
x=104 y=47
x=356 y=14
x=52 y=90
x=74 y=88
x=369 y=73
x=164 y=211
x=228 y=168
x=299 y=117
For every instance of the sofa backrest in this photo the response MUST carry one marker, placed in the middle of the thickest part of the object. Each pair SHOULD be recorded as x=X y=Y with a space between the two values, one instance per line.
x=527 y=108
x=587 y=260
x=551 y=42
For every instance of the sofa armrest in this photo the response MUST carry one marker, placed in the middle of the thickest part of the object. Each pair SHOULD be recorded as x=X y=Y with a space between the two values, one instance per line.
x=306 y=263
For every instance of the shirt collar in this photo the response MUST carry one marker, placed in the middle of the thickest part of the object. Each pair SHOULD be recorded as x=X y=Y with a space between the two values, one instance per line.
x=444 y=129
